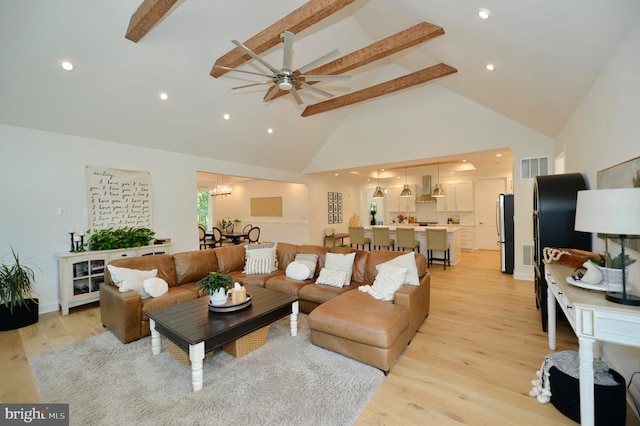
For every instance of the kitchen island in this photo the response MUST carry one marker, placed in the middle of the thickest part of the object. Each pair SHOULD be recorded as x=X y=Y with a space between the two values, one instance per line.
x=453 y=236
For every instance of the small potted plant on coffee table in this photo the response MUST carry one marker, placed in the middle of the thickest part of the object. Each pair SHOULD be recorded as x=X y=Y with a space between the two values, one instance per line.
x=216 y=285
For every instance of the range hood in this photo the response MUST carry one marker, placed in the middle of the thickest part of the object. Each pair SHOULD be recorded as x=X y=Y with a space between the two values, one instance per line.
x=426 y=197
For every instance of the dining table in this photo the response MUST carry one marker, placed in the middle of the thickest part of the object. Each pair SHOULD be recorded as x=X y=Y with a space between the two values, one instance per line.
x=236 y=236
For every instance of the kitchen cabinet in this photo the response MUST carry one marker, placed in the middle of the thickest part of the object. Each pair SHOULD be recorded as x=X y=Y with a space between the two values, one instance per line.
x=467 y=237
x=396 y=203
x=81 y=274
x=459 y=197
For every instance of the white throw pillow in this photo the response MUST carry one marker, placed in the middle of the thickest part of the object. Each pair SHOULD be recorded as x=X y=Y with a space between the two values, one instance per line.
x=342 y=262
x=155 y=287
x=268 y=251
x=130 y=279
x=259 y=265
x=297 y=271
x=389 y=279
x=405 y=261
x=332 y=277
x=310 y=260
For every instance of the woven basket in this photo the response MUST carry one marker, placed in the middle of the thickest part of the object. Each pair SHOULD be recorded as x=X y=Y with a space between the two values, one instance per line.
x=248 y=343
x=181 y=355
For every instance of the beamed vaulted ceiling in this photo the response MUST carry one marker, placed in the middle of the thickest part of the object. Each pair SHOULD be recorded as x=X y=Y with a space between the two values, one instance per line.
x=547 y=55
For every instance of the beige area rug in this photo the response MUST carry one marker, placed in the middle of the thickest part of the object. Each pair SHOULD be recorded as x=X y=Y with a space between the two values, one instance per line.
x=288 y=381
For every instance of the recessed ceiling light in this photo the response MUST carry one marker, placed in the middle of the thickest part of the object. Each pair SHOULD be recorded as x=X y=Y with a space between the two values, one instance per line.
x=66 y=65
x=498 y=155
x=226 y=116
x=337 y=174
x=484 y=14
x=491 y=67
x=464 y=161
x=164 y=96
x=269 y=130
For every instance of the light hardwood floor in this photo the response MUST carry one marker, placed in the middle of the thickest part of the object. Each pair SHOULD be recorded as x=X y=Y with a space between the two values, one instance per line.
x=471 y=362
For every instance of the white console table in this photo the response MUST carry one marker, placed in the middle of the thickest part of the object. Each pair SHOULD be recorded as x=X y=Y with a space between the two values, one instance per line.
x=593 y=319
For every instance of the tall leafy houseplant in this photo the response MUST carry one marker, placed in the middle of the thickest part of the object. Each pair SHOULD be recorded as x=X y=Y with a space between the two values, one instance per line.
x=110 y=238
x=19 y=308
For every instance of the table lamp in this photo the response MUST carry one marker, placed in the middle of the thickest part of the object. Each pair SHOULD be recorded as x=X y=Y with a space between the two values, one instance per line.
x=615 y=213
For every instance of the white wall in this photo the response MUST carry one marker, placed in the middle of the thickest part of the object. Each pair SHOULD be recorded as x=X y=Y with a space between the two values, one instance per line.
x=605 y=131
x=42 y=171
x=430 y=122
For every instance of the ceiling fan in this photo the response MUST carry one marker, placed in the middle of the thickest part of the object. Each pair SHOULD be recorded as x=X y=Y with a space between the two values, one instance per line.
x=285 y=78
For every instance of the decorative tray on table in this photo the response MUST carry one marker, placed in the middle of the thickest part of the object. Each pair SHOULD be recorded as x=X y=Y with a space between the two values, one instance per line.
x=231 y=307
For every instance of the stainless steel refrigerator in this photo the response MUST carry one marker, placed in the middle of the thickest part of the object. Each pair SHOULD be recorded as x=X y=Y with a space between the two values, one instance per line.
x=504 y=226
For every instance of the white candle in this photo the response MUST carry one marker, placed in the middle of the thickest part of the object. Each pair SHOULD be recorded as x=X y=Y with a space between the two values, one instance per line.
x=72 y=230
x=76 y=238
x=81 y=233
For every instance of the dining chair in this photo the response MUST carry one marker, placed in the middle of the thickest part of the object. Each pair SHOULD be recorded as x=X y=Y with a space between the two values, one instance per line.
x=356 y=236
x=254 y=235
x=406 y=238
x=205 y=242
x=381 y=238
x=437 y=240
x=217 y=236
x=247 y=228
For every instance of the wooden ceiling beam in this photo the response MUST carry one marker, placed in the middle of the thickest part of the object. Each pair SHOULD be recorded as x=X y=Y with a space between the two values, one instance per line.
x=409 y=80
x=149 y=13
x=305 y=16
x=405 y=39
x=402 y=40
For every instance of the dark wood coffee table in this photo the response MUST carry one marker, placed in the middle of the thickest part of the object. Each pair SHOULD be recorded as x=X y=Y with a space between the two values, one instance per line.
x=196 y=330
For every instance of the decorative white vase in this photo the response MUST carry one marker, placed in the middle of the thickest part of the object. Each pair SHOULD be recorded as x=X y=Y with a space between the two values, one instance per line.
x=218 y=297
x=613 y=276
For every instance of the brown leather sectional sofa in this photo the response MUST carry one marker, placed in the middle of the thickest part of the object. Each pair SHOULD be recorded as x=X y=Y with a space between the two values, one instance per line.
x=344 y=320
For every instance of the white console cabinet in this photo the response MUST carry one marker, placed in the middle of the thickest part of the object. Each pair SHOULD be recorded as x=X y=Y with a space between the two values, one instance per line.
x=80 y=274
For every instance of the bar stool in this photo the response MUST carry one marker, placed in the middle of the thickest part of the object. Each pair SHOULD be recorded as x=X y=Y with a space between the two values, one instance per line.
x=381 y=238
x=437 y=240
x=406 y=237
x=356 y=236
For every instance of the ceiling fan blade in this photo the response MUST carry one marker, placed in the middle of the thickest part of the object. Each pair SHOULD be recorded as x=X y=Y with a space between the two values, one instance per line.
x=316 y=90
x=409 y=80
x=303 y=17
x=308 y=78
x=271 y=93
x=321 y=60
x=246 y=72
x=252 y=84
x=287 y=36
x=254 y=56
x=297 y=97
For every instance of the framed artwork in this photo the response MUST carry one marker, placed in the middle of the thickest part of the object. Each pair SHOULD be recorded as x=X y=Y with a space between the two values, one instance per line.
x=623 y=175
x=334 y=207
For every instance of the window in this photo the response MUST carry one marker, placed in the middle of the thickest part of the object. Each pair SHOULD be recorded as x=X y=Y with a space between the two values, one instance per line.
x=203 y=208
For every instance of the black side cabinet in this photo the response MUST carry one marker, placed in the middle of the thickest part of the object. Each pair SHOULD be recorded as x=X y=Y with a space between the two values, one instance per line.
x=554 y=213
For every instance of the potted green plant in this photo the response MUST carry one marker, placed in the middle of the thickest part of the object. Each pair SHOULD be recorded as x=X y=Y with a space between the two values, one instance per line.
x=611 y=268
x=18 y=307
x=110 y=238
x=216 y=285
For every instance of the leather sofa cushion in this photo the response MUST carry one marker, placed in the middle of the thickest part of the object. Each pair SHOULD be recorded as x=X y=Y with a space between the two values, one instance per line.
x=286 y=254
x=377 y=257
x=173 y=297
x=319 y=293
x=359 y=317
x=359 y=263
x=230 y=258
x=163 y=263
x=256 y=279
x=286 y=285
x=194 y=265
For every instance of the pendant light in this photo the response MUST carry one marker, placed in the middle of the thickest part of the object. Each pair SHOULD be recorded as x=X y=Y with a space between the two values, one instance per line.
x=438 y=190
x=378 y=192
x=406 y=191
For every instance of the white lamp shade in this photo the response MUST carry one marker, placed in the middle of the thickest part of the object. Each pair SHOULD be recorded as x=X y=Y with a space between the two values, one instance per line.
x=609 y=211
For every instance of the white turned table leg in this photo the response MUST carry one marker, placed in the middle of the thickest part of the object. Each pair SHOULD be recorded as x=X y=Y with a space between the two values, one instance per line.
x=293 y=319
x=587 y=405
x=155 y=338
x=196 y=355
